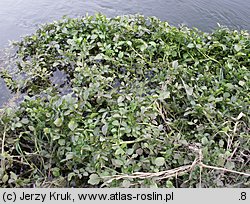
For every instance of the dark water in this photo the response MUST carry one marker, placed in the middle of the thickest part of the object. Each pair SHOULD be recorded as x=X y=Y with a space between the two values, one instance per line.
x=20 y=17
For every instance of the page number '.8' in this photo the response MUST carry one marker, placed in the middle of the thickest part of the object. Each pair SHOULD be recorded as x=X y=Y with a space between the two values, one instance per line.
x=243 y=196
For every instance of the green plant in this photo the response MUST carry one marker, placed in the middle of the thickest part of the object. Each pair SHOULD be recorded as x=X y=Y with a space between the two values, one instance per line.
x=141 y=96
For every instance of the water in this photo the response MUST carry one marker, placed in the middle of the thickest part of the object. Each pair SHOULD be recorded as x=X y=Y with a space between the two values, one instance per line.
x=20 y=17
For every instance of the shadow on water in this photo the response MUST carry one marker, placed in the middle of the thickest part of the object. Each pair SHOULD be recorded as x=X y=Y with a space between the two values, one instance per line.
x=20 y=17
x=59 y=80
x=5 y=93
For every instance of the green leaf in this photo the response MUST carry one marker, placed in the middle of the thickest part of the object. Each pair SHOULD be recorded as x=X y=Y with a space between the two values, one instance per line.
x=5 y=178
x=31 y=128
x=61 y=142
x=224 y=47
x=116 y=123
x=120 y=99
x=25 y=121
x=169 y=184
x=221 y=143
x=71 y=175
x=230 y=165
x=117 y=162
x=18 y=124
x=175 y=64
x=152 y=43
x=189 y=90
x=129 y=43
x=241 y=83
x=105 y=129
x=46 y=130
x=126 y=184
x=116 y=115
x=86 y=94
x=198 y=46
x=240 y=116
x=204 y=141
x=13 y=176
x=94 y=179
x=72 y=125
x=121 y=54
x=143 y=47
x=69 y=155
x=119 y=151
x=130 y=151
x=94 y=36
x=58 y=122
x=190 y=45
x=163 y=95
x=237 y=47
x=56 y=172
x=159 y=161
x=70 y=41
x=99 y=57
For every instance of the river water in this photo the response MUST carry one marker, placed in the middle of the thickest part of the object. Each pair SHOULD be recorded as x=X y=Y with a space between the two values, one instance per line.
x=21 y=17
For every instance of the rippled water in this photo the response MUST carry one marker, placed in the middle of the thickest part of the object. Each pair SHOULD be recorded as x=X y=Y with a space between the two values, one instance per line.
x=20 y=17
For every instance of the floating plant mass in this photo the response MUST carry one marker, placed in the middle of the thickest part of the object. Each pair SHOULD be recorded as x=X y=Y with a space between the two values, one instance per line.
x=142 y=96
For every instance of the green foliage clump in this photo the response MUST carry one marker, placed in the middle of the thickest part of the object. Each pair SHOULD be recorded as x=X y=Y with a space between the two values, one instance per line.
x=141 y=96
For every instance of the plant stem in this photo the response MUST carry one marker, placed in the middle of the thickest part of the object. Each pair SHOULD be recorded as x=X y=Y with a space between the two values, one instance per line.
x=3 y=141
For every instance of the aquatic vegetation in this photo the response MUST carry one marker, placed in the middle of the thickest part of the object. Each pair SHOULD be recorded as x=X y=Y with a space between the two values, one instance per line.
x=141 y=96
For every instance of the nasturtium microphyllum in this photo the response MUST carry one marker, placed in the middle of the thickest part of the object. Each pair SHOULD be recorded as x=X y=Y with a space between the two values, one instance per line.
x=134 y=95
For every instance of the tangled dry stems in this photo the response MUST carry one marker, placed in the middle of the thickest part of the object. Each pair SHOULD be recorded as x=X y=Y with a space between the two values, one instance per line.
x=176 y=171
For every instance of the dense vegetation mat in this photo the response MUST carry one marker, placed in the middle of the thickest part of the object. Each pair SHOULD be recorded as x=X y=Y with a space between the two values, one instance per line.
x=142 y=104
